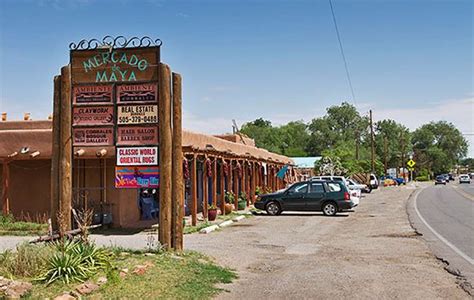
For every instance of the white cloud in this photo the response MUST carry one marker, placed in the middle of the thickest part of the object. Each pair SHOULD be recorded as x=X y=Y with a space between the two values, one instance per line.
x=460 y=112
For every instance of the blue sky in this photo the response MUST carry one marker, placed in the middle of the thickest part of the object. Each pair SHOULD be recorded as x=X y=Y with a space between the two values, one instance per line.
x=409 y=60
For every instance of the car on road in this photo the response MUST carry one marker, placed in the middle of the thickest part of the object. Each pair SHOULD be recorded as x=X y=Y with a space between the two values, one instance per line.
x=446 y=177
x=464 y=178
x=328 y=196
x=440 y=179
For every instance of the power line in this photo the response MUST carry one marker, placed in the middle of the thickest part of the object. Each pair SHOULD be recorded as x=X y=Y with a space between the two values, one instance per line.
x=342 y=53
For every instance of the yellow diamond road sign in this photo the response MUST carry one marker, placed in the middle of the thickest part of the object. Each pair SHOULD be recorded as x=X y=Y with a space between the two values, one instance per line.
x=411 y=163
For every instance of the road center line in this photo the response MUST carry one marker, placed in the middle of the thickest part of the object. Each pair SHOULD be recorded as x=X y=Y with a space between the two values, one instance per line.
x=439 y=236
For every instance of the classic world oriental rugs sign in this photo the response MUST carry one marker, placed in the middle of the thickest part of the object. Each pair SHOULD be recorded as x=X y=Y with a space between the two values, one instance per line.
x=115 y=103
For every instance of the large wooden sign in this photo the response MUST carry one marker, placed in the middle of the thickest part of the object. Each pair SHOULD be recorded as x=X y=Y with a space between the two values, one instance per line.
x=92 y=115
x=137 y=93
x=97 y=136
x=137 y=177
x=92 y=94
x=137 y=114
x=135 y=136
x=115 y=65
x=137 y=156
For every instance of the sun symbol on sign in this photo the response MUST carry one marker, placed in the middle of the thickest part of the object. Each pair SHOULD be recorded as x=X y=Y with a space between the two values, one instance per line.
x=115 y=68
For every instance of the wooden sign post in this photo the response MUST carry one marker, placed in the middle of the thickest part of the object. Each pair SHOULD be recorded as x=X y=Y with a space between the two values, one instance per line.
x=117 y=93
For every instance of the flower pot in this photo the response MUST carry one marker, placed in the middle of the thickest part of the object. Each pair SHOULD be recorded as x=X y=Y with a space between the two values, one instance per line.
x=242 y=205
x=228 y=208
x=212 y=214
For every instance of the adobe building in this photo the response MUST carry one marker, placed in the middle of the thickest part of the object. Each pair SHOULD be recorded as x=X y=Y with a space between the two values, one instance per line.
x=212 y=165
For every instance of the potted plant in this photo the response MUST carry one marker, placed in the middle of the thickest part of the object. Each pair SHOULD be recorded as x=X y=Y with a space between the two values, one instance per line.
x=212 y=213
x=258 y=191
x=242 y=201
x=229 y=202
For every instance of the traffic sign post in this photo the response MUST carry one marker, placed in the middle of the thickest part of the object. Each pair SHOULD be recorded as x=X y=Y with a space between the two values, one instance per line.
x=411 y=164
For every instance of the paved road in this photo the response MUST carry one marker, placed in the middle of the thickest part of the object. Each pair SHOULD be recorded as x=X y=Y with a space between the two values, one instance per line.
x=446 y=219
x=372 y=253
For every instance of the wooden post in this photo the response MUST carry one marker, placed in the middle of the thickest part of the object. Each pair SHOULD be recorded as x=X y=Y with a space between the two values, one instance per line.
x=372 y=143
x=177 y=178
x=54 y=198
x=254 y=181
x=222 y=182
x=214 y=182
x=247 y=183
x=5 y=187
x=236 y=186
x=194 y=191
x=205 y=190
x=242 y=178
x=65 y=153
x=165 y=155
x=230 y=177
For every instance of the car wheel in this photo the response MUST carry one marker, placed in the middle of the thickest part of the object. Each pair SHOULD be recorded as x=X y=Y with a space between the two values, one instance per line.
x=329 y=209
x=273 y=208
x=369 y=190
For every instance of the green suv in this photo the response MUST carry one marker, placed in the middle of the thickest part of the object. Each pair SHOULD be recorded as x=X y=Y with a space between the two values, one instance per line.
x=327 y=196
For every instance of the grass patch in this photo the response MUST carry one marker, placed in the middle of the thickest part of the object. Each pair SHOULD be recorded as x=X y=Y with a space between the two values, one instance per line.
x=197 y=228
x=10 y=226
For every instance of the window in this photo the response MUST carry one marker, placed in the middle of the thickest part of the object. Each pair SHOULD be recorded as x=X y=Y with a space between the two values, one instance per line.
x=299 y=189
x=338 y=179
x=317 y=187
x=334 y=187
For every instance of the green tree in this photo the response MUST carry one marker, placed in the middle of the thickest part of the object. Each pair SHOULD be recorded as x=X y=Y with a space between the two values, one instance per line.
x=265 y=135
x=397 y=138
x=438 y=146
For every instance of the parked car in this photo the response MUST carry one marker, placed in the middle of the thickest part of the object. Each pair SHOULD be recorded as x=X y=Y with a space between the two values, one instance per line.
x=440 y=179
x=352 y=184
x=398 y=180
x=451 y=176
x=328 y=196
x=354 y=192
x=464 y=178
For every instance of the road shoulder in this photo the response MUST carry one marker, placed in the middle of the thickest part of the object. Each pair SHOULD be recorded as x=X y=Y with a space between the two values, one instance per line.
x=453 y=263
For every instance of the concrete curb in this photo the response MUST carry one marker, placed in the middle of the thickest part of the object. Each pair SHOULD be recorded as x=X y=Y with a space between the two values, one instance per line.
x=226 y=223
x=238 y=218
x=209 y=229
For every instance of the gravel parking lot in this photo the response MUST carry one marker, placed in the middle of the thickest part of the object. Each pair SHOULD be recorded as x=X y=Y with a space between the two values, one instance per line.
x=370 y=253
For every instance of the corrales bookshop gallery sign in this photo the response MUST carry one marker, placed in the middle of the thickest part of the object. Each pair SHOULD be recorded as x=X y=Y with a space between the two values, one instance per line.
x=118 y=65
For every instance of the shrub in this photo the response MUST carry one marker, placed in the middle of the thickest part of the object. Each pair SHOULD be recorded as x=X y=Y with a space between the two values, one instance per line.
x=74 y=260
x=422 y=178
x=27 y=261
x=229 y=197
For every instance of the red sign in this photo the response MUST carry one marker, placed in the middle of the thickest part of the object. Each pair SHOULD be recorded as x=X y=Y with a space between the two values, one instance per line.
x=92 y=94
x=93 y=115
x=136 y=93
x=97 y=136
x=134 y=136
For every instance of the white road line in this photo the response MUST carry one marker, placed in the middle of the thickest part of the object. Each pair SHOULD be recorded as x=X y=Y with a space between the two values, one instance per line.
x=440 y=237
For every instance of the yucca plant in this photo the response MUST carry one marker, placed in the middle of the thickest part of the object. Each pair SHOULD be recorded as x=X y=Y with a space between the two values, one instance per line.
x=74 y=260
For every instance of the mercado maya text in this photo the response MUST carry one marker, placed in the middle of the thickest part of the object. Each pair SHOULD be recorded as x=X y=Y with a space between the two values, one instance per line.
x=107 y=66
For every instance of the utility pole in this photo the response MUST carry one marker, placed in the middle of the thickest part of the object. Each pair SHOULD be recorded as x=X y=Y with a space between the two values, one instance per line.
x=402 y=141
x=372 y=141
x=385 y=153
x=357 y=144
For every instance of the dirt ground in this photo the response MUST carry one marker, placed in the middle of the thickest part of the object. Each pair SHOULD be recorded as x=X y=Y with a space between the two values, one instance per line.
x=372 y=253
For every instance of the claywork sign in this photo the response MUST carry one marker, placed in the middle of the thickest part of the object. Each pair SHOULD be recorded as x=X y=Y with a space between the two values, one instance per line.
x=96 y=136
x=92 y=115
x=136 y=93
x=137 y=114
x=92 y=94
x=137 y=177
x=118 y=65
x=133 y=135
x=137 y=156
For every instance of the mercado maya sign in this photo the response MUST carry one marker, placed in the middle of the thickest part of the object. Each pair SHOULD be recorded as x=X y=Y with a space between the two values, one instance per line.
x=111 y=60
x=137 y=177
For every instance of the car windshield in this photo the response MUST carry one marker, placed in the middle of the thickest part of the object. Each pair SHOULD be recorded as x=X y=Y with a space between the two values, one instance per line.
x=440 y=177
